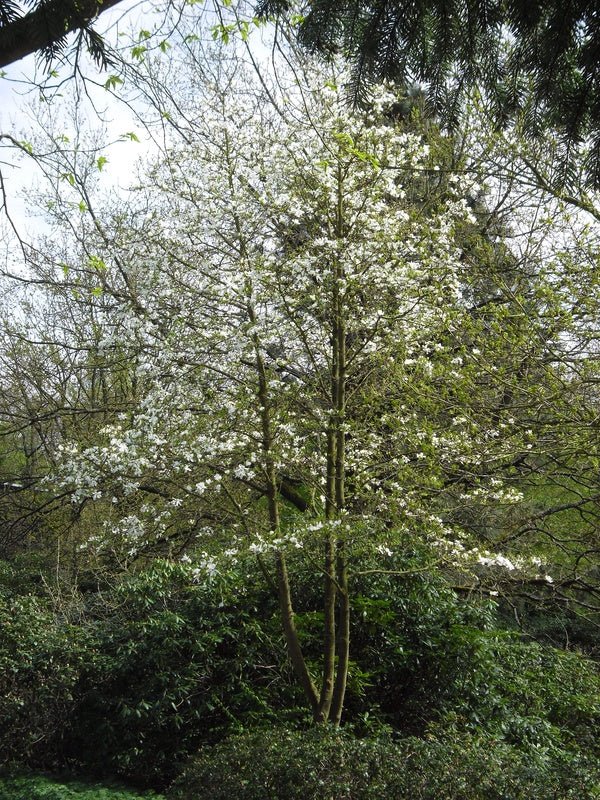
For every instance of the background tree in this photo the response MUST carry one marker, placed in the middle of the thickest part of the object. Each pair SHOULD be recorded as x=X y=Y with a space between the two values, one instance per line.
x=536 y=59
x=270 y=293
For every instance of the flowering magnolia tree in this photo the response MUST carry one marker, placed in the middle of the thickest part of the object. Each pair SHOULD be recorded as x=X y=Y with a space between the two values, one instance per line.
x=323 y=345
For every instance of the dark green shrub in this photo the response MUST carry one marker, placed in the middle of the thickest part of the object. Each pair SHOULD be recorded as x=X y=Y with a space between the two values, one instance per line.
x=41 y=655
x=176 y=663
x=323 y=763
x=421 y=655
x=130 y=681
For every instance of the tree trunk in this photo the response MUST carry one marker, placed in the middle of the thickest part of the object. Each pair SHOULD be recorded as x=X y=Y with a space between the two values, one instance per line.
x=329 y=632
x=283 y=584
x=343 y=643
x=291 y=635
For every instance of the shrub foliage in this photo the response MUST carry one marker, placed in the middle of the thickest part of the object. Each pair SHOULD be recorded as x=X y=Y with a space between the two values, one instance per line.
x=135 y=678
x=336 y=764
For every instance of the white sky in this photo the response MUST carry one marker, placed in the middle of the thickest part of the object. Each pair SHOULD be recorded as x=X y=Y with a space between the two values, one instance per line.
x=17 y=91
x=120 y=26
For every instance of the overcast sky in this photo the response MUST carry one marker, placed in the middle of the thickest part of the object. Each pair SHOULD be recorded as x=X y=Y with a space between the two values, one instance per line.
x=17 y=91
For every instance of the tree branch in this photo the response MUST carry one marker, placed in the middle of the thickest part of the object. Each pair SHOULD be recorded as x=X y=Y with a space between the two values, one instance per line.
x=44 y=27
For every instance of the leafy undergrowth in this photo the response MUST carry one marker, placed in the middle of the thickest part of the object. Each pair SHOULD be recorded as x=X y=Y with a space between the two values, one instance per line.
x=36 y=787
x=329 y=764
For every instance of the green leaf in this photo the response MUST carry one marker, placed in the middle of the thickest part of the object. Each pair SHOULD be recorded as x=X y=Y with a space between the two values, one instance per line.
x=164 y=45
x=113 y=82
x=244 y=30
x=102 y=160
x=344 y=139
x=131 y=136
x=96 y=263
x=222 y=32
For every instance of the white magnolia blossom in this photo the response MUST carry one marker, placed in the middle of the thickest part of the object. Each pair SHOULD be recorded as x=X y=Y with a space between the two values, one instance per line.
x=496 y=561
x=235 y=261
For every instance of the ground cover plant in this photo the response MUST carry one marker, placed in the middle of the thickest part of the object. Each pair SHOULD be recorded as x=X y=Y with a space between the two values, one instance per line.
x=41 y=788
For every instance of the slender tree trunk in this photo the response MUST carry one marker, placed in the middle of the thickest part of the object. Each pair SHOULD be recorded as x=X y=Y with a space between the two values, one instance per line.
x=343 y=597
x=337 y=450
x=329 y=587
x=329 y=632
x=339 y=406
x=343 y=643
x=283 y=584
x=291 y=635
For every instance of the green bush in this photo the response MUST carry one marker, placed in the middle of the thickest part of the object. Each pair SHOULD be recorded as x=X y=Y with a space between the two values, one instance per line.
x=178 y=663
x=41 y=788
x=41 y=656
x=421 y=655
x=131 y=680
x=326 y=763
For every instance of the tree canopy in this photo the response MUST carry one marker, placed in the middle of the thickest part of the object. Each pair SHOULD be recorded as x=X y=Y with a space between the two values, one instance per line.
x=535 y=59
x=538 y=58
x=307 y=330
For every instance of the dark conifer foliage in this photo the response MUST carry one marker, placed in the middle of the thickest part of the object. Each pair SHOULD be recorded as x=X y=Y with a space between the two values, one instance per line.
x=540 y=58
x=43 y=27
